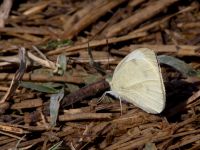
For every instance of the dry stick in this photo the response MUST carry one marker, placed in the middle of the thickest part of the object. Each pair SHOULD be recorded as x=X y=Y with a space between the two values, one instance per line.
x=189 y=25
x=139 y=17
x=92 y=17
x=85 y=92
x=156 y=23
x=124 y=140
x=96 y=131
x=10 y=135
x=98 y=58
x=4 y=64
x=26 y=37
x=4 y=11
x=24 y=144
x=31 y=103
x=3 y=88
x=117 y=16
x=157 y=138
x=21 y=129
x=43 y=78
x=28 y=30
x=84 y=116
x=12 y=129
x=40 y=53
x=96 y=43
x=140 y=141
x=179 y=144
x=195 y=147
x=69 y=22
x=186 y=133
x=176 y=127
x=36 y=9
x=102 y=29
x=46 y=63
x=193 y=98
x=135 y=3
x=179 y=50
x=6 y=141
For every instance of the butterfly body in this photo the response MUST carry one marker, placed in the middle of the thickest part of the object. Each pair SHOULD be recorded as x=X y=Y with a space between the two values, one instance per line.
x=138 y=80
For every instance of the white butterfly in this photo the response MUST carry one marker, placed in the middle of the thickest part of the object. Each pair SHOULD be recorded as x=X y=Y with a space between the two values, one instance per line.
x=137 y=79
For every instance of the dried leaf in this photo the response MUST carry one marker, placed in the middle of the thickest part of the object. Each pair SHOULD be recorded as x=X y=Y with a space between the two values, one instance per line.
x=54 y=106
x=177 y=64
x=61 y=64
x=42 y=87
x=43 y=71
x=18 y=76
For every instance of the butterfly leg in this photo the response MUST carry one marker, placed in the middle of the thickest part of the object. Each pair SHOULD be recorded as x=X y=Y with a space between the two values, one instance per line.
x=101 y=98
x=111 y=92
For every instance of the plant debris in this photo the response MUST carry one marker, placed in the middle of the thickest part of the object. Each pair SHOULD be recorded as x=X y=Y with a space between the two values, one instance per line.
x=56 y=57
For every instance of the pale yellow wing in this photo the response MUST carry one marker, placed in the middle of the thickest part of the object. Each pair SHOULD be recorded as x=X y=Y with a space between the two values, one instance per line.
x=138 y=80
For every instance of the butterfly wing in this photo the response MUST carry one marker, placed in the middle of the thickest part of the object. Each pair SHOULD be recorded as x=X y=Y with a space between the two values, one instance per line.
x=138 y=79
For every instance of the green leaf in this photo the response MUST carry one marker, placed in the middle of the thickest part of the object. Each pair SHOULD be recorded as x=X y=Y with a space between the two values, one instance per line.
x=41 y=87
x=53 y=84
x=54 y=106
x=177 y=64
x=56 y=43
x=43 y=71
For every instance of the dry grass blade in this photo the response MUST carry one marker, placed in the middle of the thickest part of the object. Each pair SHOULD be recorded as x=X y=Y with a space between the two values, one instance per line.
x=18 y=76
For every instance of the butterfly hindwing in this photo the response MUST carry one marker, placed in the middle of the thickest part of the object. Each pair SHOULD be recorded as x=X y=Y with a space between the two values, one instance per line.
x=138 y=80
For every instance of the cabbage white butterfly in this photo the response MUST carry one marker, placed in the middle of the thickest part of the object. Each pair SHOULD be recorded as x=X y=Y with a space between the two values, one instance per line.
x=137 y=79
